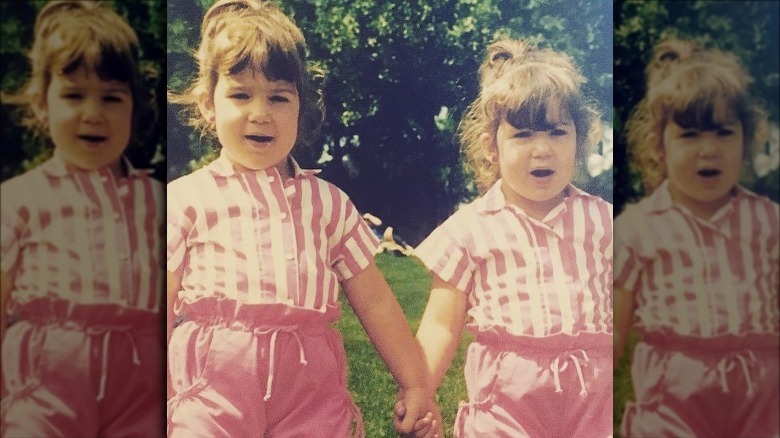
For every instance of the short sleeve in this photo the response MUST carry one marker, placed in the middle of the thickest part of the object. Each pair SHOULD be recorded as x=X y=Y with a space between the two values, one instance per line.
x=354 y=250
x=444 y=252
x=627 y=264
x=179 y=220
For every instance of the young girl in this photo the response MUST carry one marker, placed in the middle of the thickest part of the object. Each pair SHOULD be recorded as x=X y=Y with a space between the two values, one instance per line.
x=81 y=262
x=528 y=265
x=697 y=259
x=257 y=249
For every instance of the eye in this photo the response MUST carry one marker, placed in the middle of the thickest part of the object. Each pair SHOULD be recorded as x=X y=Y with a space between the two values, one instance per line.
x=113 y=98
x=525 y=133
x=279 y=98
x=725 y=132
x=689 y=133
x=71 y=96
x=239 y=96
x=557 y=132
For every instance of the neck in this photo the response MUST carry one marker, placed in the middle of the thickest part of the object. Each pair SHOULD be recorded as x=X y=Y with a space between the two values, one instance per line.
x=701 y=209
x=535 y=209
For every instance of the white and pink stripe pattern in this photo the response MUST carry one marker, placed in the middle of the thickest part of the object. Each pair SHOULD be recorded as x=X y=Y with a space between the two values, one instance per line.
x=701 y=278
x=83 y=236
x=250 y=237
x=532 y=278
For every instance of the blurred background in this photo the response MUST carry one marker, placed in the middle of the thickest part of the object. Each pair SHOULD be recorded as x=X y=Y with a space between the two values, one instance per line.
x=399 y=76
x=20 y=150
x=747 y=28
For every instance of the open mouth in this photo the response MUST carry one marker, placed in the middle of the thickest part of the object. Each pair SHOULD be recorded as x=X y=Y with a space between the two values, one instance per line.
x=93 y=138
x=260 y=138
x=709 y=173
x=541 y=173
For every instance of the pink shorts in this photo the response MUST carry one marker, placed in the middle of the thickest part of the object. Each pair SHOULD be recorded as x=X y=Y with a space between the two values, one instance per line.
x=92 y=371
x=258 y=374
x=686 y=387
x=560 y=386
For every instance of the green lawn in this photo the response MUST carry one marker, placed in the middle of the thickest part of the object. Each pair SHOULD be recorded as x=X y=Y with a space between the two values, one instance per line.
x=371 y=385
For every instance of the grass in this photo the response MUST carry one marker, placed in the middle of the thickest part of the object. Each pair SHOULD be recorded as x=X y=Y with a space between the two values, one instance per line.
x=370 y=383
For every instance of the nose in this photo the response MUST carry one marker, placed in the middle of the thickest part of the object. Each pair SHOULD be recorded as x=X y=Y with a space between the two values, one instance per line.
x=542 y=148
x=93 y=111
x=260 y=113
x=709 y=147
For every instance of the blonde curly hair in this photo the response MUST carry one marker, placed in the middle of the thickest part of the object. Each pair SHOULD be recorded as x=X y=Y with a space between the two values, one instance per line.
x=256 y=34
x=517 y=83
x=692 y=86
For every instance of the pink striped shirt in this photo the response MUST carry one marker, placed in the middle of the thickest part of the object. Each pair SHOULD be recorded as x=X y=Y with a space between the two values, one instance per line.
x=83 y=236
x=700 y=277
x=251 y=237
x=529 y=277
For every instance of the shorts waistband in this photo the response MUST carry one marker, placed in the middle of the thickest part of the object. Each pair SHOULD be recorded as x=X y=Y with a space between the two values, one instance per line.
x=46 y=311
x=713 y=345
x=227 y=313
x=552 y=344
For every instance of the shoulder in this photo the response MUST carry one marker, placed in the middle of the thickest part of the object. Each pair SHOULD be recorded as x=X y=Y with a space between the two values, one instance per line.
x=324 y=192
x=186 y=183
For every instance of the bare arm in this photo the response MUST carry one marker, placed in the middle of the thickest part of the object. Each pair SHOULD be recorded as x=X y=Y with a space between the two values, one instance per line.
x=385 y=323
x=441 y=327
x=623 y=313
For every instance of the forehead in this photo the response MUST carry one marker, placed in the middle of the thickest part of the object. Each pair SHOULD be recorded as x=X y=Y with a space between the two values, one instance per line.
x=85 y=78
x=250 y=78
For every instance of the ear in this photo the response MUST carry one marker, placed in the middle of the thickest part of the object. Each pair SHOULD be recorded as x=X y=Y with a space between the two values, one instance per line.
x=488 y=143
x=206 y=105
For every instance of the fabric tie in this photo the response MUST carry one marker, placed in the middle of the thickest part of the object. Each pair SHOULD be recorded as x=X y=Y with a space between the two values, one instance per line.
x=729 y=362
x=274 y=331
x=556 y=369
x=106 y=333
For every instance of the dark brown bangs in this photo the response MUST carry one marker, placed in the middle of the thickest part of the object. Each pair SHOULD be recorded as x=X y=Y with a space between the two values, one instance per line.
x=706 y=114
x=109 y=64
x=276 y=63
x=533 y=114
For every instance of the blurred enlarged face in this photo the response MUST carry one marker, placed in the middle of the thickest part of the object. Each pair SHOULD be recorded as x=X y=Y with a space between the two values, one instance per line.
x=703 y=165
x=89 y=119
x=537 y=164
x=256 y=119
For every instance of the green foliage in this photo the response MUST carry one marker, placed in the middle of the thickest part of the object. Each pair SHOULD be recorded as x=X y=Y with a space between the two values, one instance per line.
x=391 y=68
x=21 y=150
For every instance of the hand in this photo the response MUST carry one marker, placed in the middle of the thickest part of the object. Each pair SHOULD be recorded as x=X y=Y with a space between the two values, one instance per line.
x=428 y=425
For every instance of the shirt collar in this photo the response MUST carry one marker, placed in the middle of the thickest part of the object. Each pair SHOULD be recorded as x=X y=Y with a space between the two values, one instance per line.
x=661 y=199
x=56 y=166
x=494 y=199
x=223 y=167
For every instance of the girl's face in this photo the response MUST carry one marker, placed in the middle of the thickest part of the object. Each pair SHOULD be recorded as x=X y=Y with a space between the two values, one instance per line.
x=536 y=166
x=89 y=119
x=703 y=166
x=256 y=119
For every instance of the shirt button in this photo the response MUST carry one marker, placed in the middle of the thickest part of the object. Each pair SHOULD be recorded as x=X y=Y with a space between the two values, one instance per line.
x=283 y=215
x=270 y=178
x=291 y=257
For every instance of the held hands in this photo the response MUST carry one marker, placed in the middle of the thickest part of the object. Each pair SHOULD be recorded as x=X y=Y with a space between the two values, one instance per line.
x=416 y=415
